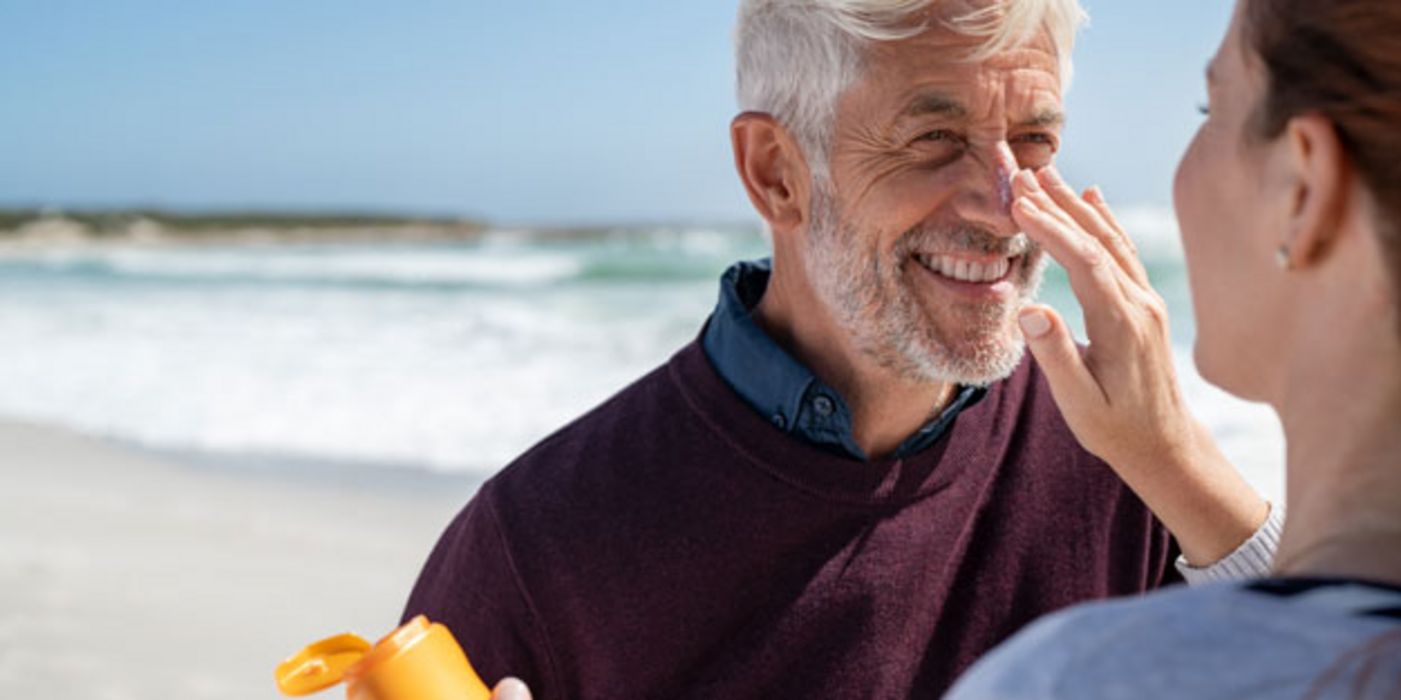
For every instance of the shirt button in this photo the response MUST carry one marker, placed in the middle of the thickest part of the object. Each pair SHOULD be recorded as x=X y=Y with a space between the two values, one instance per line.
x=780 y=422
x=823 y=406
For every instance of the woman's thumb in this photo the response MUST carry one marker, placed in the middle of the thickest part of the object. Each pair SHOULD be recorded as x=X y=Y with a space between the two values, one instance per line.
x=1055 y=351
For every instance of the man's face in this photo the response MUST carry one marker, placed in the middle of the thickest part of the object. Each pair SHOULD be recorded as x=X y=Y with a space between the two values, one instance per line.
x=912 y=246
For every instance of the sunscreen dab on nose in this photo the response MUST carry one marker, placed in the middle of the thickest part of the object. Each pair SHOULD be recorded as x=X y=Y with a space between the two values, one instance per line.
x=1007 y=169
x=418 y=661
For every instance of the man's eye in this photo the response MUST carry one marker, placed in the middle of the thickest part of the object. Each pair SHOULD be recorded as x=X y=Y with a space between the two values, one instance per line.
x=939 y=136
x=1038 y=139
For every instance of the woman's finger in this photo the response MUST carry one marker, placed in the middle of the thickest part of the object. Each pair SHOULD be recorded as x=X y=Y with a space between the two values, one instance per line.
x=1087 y=216
x=1067 y=242
x=1074 y=386
x=1093 y=277
x=1092 y=220
x=1025 y=184
x=1095 y=197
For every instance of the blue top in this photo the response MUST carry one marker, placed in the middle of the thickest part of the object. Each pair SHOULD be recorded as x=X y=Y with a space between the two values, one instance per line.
x=1287 y=639
x=779 y=387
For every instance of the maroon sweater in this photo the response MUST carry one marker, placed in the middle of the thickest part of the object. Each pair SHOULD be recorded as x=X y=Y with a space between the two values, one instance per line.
x=674 y=544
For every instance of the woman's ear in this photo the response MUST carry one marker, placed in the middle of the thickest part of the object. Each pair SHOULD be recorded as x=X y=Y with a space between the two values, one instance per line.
x=1320 y=189
x=773 y=170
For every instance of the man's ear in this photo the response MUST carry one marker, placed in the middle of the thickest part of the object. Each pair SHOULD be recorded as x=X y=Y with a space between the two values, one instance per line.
x=773 y=169
x=1320 y=185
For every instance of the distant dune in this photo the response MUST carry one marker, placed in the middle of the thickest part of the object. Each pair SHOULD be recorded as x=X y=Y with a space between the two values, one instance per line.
x=27 y=228
x=35 y=228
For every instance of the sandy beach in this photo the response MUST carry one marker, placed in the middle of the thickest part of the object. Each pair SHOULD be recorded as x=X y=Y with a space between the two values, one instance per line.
x=130 y=575
x=127 y=574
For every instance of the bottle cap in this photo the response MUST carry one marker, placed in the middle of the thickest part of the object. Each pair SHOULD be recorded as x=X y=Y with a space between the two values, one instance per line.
x=320 y=665
x=418 y=661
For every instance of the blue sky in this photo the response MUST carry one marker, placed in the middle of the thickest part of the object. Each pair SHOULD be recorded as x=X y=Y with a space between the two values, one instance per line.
x=549 y=111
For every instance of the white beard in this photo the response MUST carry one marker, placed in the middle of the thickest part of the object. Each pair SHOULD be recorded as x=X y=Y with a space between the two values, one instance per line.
x=871 y=299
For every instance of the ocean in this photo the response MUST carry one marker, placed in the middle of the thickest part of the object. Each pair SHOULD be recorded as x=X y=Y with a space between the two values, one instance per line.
x=412 y=356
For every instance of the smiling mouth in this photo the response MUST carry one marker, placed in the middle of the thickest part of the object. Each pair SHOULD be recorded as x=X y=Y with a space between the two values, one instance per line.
x=988 y=271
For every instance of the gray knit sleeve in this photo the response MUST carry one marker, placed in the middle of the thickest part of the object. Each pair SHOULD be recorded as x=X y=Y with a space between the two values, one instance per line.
x=1253 y=559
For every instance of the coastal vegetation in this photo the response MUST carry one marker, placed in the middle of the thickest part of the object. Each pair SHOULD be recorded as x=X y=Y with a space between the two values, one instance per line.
x=152 y=225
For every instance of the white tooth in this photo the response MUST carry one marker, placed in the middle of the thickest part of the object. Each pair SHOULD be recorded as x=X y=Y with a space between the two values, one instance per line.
x=1003 y=266
x=977 y=272
x=961 y=272
x=947 y=267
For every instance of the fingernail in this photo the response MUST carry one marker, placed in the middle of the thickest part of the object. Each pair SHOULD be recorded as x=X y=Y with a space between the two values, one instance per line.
x=1026 y=205
x=1095 y=193
x=1050 y=173
x=1034 y=323
x=511 y=689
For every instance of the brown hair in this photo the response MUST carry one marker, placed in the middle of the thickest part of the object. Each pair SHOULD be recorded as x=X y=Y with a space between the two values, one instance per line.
x=1340 y=59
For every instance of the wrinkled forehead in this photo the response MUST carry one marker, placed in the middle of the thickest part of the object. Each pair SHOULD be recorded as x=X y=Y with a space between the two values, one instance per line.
x=1024 y=78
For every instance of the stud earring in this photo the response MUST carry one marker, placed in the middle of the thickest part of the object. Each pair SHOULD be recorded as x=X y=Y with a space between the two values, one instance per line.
x=1283 y=258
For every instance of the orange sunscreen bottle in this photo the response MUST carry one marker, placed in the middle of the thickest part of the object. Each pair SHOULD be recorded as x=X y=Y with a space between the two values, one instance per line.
x=419 y=661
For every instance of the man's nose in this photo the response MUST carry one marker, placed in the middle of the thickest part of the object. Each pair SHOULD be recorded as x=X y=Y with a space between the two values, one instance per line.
x=989 y=200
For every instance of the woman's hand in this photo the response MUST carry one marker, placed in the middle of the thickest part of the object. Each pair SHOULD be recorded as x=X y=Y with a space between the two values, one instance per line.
x=1120 y=396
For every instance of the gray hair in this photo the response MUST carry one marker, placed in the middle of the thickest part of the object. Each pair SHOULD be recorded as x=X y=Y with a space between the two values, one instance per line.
x=796 y=57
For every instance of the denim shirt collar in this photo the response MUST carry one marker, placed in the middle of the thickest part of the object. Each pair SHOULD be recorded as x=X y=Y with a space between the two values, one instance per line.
x=780 y=387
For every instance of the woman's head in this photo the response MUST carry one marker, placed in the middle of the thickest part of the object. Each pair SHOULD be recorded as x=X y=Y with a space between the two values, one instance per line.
x=1290 y=195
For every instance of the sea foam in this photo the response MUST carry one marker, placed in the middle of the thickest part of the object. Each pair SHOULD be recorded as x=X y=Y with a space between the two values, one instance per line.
x=448 y=357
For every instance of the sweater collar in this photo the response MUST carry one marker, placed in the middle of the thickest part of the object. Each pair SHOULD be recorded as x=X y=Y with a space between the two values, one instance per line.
x=782 y=389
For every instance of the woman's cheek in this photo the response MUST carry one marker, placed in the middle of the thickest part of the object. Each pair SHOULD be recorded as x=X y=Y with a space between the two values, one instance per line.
x=1183 y=186
x=1189 y=202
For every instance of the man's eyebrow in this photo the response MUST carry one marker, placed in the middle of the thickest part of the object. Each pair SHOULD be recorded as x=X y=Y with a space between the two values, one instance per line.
x=939 y=105
x=934 y=104
x=1046 y=118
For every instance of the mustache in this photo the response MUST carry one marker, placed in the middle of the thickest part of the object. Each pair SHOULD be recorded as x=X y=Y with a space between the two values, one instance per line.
x=963 y=238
